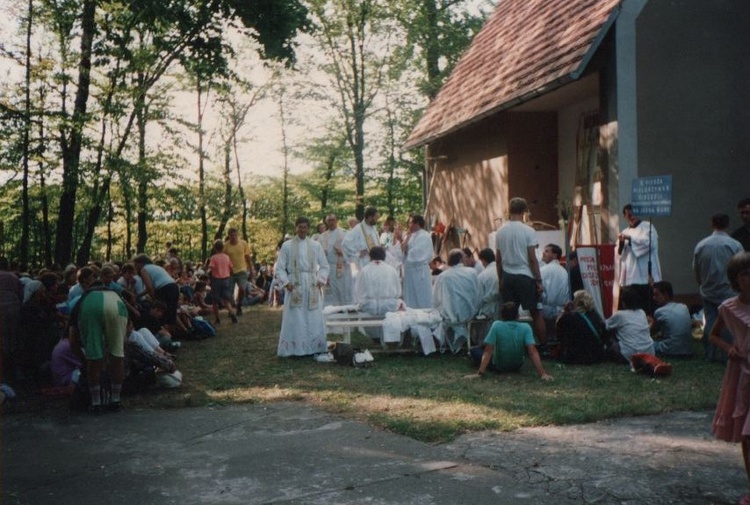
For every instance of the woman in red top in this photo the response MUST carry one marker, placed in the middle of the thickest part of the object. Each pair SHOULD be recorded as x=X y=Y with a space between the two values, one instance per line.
x=220 y=270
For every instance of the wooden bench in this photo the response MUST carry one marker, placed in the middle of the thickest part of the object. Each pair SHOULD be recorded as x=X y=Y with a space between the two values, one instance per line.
x=349 y=320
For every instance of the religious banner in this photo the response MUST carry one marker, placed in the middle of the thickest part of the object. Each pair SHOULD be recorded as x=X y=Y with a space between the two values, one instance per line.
x=597 y=264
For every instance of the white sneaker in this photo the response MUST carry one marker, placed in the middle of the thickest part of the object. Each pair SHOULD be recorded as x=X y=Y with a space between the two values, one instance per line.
x=362 y=358
x=324 y=357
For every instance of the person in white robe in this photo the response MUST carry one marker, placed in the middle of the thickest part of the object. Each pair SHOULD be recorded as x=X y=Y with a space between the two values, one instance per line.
x=638 y=245
x=455 y=296
x=416 y=254
x=555 y=281
x=339 y=288
x=361 y=238
x=489 y=286
x=378 y=289
x=302 y=269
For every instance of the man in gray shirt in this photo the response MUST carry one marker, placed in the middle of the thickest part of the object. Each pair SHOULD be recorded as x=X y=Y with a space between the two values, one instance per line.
x=710 y=261
x=672 y=322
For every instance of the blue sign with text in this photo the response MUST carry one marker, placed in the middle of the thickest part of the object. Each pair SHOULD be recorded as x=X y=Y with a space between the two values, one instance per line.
x=652 y=196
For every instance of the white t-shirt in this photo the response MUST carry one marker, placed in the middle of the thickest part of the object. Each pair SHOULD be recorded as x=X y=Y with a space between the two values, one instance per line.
x=513 y=240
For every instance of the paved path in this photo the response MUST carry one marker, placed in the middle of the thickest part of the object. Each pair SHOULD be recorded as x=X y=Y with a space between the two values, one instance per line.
x=296 y=454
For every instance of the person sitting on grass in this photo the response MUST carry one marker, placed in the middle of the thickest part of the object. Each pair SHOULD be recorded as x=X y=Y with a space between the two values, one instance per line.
x=504 y=346
x=581 y=331
x=671 y=323
x=629 y=326
x=199 y=299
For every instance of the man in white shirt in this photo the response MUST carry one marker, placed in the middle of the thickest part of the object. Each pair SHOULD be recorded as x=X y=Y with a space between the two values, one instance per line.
x=518 y=267
x=416 y=250
x=339 y=289
x=555 y=281
x=638 y=246
x=455 y=296
x=361 y=238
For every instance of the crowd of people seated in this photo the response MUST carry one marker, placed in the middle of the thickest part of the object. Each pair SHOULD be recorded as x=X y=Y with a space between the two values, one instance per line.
x=106 y=329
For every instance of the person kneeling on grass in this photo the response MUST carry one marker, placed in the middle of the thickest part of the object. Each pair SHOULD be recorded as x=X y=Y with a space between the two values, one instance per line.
x=504 y=346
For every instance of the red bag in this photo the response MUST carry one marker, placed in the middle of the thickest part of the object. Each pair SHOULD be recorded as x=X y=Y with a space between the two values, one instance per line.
x=650 y=365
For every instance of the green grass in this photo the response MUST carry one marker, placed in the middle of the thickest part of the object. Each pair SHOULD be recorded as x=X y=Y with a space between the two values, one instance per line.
x=426 y=398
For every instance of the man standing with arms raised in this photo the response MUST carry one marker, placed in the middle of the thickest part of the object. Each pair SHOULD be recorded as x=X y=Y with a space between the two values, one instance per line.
x=517 y=265
x=239 y=252
x=361 y=238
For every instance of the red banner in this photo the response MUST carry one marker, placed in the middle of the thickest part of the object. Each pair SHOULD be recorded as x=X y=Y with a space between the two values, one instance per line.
x=597 y=263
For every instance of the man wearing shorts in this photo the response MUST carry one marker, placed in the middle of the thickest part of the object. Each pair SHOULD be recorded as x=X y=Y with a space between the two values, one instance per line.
x=100 y=319
x=239 y=252
x=517 y=265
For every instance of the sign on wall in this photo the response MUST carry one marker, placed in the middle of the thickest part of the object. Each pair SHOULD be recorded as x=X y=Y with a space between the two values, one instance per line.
x=652 y=196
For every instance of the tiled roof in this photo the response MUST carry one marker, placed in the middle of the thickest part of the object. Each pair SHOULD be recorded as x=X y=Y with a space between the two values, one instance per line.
x=526 y=47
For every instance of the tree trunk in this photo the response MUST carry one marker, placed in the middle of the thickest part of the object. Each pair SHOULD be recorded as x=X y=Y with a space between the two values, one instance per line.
x=226 y=214
x=26 y=211
x=71 y=148
x=110 y=218
x=285 y=188
x=144 y=178
x=201 y=174
x=240 y=188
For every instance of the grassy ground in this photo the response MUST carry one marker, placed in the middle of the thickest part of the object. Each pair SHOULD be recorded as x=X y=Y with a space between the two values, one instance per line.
x=426 y=398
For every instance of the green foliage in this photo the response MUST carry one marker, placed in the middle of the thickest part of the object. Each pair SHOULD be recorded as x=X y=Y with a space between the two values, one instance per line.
x=138 y=49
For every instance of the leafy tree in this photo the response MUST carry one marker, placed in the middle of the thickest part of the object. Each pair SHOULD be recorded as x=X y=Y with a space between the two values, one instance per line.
x=438 y=32
x=356 y=37
x=168 y=29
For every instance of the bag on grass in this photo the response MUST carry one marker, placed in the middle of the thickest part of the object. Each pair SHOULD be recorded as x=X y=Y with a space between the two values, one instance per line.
x=343 y=353
x=346 y=355
x=650 y=365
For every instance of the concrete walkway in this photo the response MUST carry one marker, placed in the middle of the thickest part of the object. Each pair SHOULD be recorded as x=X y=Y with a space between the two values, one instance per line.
x=293 y=453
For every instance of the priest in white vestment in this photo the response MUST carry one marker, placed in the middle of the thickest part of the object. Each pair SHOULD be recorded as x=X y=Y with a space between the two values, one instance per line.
x=456 y=296
x=489 y=286
x=302 y=269
x=378 y=289
x=339 y=288
x=416 y=253
x=361 y=238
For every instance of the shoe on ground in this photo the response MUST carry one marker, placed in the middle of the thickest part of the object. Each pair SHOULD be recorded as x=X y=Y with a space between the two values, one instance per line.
x=115 y=407
x=239 y=310
x=96 y=410
x=324 y=357
x=233 y=318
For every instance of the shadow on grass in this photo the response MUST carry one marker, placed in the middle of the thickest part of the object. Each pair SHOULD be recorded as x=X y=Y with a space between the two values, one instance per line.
x=426 y=398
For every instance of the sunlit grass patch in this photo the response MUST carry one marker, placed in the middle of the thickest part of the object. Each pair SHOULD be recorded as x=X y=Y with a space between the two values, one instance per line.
x=427 y=398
